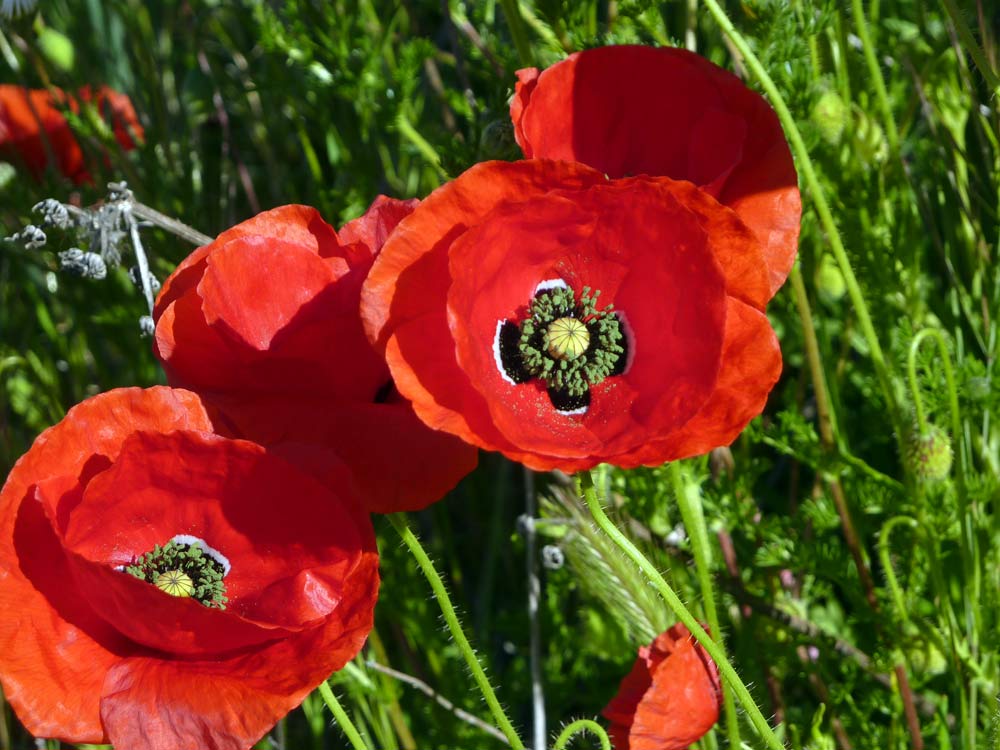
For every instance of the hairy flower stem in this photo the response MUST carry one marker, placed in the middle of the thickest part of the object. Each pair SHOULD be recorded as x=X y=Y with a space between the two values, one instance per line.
x=589 y=493
x=578 y=727
x=689 y=501
x=891 y=132
x=822 y=207
x=398 y=521
x=353 y=736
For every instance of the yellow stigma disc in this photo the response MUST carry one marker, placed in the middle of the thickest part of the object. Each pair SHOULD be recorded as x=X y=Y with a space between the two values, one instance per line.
x=175 y=583
x=568 y=338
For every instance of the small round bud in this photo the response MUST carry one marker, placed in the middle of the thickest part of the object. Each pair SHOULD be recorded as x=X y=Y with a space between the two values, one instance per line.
x=829 y=280
x=830 y=115
x=930 y=454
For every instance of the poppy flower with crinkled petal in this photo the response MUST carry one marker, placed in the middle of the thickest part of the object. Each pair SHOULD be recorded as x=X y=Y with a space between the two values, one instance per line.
x=539 y=309
x=34 y=130
x=108 y=639
x=669 y=700
x=263 y=323
x=631 y=110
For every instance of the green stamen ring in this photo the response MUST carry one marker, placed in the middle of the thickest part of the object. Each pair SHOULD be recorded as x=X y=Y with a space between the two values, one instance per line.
x=184 y=568
x=566 y=342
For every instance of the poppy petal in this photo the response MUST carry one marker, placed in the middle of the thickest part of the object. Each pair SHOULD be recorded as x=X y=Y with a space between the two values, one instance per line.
x=55 y=648
x=229 y=703
x=705 y=126
x=371 y=229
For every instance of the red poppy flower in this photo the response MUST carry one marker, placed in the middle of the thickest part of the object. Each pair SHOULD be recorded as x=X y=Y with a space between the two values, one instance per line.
x=263 y=323
x=669 y=699
x=163 y=587
x=663 y=111
x=483 y=300
x=33 y=128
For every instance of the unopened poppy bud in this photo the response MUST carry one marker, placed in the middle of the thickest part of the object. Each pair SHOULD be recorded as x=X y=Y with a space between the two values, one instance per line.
x=930 y=454
x=829 y=280
x=57 y=48
x=830 y=115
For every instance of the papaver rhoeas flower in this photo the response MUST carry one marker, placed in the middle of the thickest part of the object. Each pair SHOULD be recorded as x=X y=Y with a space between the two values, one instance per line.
x=662 y=111
x=164 y=587
x=263 y=323
x=33 y=128
x=670 y=699
x=539 y=309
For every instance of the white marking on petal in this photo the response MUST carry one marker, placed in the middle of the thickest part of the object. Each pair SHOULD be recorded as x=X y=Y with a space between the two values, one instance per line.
x=550 y=284
x=496 y=353
x=210 y=551
x=574 y=412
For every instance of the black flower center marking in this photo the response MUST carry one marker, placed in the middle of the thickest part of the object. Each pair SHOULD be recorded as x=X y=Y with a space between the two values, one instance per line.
x=183 y=569
x=565 y=342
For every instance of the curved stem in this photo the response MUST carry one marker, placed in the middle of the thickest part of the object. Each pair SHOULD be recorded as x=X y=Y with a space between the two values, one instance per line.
x=677 y=607
x=689 y=502
x=884 y=551
x=353 y=736
x=811 y=180
x=579 y=726
x=398 y=521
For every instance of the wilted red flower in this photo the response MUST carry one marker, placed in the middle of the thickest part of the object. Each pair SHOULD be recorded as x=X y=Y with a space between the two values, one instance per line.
x=266 y=586
x=33 y=128
x=663 y=111
x=671 y=697
x=263 y=323
x=485 y=302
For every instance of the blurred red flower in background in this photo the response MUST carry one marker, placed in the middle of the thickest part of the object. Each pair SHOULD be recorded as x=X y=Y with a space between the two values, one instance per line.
x=263 y=323
x=93 y=654
x=484 y=301
x=671 y=697
x=34 y=131
x=631 y=110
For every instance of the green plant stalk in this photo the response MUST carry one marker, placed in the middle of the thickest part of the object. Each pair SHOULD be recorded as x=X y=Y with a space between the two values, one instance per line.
x=689 y=501
x=579 y=726
x=342 y=718
x=970 y=45
x=884 y=553
x=398 y=521
x=822 y=207
x=861 y=23
x=589 y=492
x=512 y=13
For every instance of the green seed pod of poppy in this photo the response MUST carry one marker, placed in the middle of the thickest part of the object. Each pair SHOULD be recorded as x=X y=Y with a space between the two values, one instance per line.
x=930 y=454
x=830 y=115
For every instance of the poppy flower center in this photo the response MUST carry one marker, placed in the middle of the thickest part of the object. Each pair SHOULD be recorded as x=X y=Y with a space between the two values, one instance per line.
x=566 y=342
x=185 y=567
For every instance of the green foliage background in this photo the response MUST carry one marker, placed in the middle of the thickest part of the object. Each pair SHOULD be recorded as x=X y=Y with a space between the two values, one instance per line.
x=248 y=105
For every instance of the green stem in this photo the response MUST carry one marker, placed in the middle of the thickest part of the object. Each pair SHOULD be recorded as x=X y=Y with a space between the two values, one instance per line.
x=689 y=502
x=682 y=613
x=861 y=22
x=398 y=521
x=579 y=726
x=970 y=45
x=811 y=180
x=512 y=13
x=342 y=718
x=884 y=551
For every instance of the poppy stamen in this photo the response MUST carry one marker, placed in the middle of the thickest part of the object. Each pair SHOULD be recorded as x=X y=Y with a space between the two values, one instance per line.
x=184 y=567
x=565 y=342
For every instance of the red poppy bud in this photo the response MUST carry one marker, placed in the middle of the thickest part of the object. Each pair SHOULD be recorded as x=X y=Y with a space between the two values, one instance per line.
x=671 y=697
x=263 y=323
x=95 y=653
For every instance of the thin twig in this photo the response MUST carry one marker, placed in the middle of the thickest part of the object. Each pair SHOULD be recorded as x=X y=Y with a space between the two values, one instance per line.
x=430 y=692
x=527 y=527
